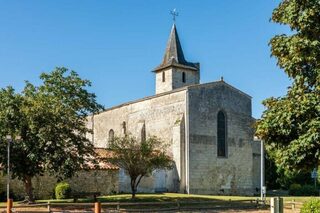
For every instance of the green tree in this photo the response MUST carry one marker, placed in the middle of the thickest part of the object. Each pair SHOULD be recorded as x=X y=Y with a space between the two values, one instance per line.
x=50 y=121
x=139 y=158
x=290 y=125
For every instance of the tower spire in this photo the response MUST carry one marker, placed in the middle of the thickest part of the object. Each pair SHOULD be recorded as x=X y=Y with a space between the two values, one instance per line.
x=174 y=54
x=173 y=49
x=175 y=71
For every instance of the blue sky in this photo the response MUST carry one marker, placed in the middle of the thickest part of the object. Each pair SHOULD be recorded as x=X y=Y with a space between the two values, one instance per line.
x=116 y=43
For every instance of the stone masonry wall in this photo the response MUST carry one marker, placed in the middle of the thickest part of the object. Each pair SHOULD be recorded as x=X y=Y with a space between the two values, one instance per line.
x=192 y=77
x=104 y=181
x=161 y=115
x=210 y=174
x=167 y=84
x=173 y=79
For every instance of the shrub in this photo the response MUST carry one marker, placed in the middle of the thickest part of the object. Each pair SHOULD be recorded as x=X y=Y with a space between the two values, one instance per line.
x=63 y=190
x=305 y=190
x=311 y=206
x=294 y=188
x=15 y=197
x=309 y=190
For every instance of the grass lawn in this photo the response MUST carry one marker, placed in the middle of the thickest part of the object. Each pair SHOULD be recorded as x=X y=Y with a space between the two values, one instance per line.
x=166 y=200
x=172 y=197
x=238 y=203
x=167 y=197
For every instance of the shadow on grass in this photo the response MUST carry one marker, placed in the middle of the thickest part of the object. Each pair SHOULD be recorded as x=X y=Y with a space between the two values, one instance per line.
x=170 y=197
x=159 y=197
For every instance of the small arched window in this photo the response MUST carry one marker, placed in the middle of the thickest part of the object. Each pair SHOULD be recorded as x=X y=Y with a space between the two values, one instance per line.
x=183 y=77
x=110 y=136
x=222 y=134
x=163 y=76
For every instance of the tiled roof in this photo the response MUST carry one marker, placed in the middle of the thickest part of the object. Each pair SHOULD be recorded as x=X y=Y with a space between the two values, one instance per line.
x=102 y=155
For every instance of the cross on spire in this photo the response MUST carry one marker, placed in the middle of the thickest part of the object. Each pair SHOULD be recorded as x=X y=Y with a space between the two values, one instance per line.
x=174 y=14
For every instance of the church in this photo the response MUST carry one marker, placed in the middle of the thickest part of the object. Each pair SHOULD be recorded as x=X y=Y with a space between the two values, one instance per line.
x=209 y=128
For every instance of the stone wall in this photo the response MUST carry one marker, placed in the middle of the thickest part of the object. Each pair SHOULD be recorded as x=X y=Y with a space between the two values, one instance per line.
x=104 y=181
x=162 y=116
x=173 y=79
x=210 y=174
x=192 y=77
x=164 y=86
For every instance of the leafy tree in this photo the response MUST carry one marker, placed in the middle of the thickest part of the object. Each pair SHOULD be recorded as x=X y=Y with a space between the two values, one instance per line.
x=139 y=158
x=50 y=122
x=290 y=125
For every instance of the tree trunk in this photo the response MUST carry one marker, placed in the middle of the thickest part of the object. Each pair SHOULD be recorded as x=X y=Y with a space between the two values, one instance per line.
x=133 y=188
x=28 y=188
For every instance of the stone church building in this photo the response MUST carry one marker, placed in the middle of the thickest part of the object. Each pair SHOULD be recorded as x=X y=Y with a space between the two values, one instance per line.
x=208 y=126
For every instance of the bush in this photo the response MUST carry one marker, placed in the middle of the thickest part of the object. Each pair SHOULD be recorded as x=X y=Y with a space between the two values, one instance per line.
x=294 y=188
x=312 y=206
x=63 y=190
x=15 y=197
x=306 y=190
x=309 y=190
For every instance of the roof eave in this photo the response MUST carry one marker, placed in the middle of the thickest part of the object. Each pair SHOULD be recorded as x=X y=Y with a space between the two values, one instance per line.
x=162 y=67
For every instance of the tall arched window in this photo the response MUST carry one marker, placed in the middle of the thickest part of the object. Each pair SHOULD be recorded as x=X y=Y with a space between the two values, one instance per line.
x=222 y=134
x=163 y=76
x=143 y=133
x=124 y=128
x=111 y=135
x=183 y=77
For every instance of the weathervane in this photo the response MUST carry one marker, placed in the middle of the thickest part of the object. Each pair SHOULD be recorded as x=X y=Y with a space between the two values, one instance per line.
x=174 y=13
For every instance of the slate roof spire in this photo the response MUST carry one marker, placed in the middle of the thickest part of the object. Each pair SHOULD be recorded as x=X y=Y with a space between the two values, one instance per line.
x=173 y=55
x=174 y=49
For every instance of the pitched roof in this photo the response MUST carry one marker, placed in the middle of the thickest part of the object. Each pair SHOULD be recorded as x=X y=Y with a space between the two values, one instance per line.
x=102 y=154
x=173 y=55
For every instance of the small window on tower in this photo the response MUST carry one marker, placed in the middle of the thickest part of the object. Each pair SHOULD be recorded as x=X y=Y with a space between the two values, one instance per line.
x=163 y=76
x=183 y=77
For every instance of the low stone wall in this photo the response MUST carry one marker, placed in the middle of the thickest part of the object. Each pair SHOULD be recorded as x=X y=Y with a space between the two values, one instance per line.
x=104 y=181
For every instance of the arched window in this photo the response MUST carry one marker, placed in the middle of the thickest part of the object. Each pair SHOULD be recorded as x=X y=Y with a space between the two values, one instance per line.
x=183 y=77
x=222 y=134
x=163 y=76
x=124 y=127
x=110 y=136
x=143 y=133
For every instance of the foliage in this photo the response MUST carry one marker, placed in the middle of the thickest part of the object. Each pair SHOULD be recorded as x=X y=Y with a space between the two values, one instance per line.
x=14 y=196
x=308 y=190
x=294 y=188
x=277 y=178
x=139 y=158
x=290 y=125
x=271 y=174
x=63 y=190
x=305 y=190
x=311 y=206
x=47 y=123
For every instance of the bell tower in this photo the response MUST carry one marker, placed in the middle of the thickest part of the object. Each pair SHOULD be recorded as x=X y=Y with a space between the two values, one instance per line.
x=174 y=71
